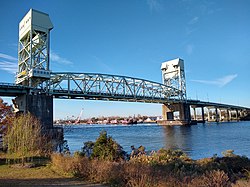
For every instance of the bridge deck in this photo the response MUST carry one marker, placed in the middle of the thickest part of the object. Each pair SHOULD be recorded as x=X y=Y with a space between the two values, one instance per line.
x=12 y=90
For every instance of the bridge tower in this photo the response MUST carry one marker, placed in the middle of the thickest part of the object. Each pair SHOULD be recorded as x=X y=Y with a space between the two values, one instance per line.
x=173 y=75
x=33 y=49
x=33 y=67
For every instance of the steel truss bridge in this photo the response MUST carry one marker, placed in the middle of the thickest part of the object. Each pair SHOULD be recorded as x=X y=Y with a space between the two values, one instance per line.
x=91 y=86
x=109 y=87
x=97 y=87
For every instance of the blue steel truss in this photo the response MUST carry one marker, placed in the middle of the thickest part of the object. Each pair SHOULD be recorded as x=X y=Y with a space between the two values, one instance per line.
x=109 y=87
x=59 y=89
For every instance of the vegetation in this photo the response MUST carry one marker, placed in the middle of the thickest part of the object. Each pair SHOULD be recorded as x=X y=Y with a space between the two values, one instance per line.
x=161 y=168
x=6 y=116
x=105 y=148
x=104 y=161
x=164 y=168
x=24 y=139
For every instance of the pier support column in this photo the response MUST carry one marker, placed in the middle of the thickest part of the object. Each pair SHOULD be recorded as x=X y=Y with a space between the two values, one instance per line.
x=202 y=114
x=217 y=119
x=241 y=113
x=220 y=115
x=208 y=114
x=41 y=106
x=237 y=114
x=229 y=115
x=168 y=114
x=195 y=117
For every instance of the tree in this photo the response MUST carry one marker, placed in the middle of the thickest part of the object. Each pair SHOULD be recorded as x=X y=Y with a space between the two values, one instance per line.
x=87 y=149
x=105 y=148
x=6 y=116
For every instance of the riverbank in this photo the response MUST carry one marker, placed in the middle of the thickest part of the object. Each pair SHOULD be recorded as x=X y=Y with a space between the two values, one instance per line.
x=164 y=168
x=37 y=175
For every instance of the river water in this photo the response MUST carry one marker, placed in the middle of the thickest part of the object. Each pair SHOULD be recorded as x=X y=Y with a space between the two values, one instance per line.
x=198 y=141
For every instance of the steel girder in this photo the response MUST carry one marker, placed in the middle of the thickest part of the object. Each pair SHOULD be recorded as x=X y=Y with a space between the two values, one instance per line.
x=109 y=87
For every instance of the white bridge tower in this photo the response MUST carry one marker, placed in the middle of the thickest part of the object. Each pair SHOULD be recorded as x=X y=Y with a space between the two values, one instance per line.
x=33 y=49
x=173 y=75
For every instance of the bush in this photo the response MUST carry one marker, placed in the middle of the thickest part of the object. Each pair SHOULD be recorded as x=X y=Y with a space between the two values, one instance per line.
x=211 y=179
x=163 y=168
x=105 y=148
x=163 y=156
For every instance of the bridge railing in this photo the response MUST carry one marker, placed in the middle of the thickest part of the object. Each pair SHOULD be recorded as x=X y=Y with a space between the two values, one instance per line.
x=109 y=86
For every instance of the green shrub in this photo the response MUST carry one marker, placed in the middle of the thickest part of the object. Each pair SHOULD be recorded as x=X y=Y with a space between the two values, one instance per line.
x=105 y=148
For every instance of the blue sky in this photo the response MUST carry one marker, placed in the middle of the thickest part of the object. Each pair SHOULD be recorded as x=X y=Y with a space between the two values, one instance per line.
x=133 y=38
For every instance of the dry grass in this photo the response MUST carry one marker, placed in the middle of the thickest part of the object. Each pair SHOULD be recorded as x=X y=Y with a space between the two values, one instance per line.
x=37 y=176
x=139 y=173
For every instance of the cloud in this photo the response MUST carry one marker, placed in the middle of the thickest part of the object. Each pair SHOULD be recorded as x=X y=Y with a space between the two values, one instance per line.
x=193 y=20
x=56 y=58
x=10 y=67
x=218 y=82
x=154 y=5
x=8 y=63
x=8 y=57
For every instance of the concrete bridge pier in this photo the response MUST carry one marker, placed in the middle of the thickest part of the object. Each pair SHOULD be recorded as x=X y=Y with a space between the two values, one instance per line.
x=40 y=105
x=194 y=108
x=237 y=114
x=217 y=117
x=229 y=115
x=202 y=114
x=208 y=114
x=218 y=114
x=168 y=110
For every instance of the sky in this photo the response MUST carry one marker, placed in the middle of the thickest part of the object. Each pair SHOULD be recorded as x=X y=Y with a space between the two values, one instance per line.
x=133 y=38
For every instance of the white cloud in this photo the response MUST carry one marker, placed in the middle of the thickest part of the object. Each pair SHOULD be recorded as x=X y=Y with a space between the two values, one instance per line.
x=8 y=57
x=10 y=67
x=154 y=5
x=56 y=58
x=8 y=63
x=193 y=20
x=218 y=82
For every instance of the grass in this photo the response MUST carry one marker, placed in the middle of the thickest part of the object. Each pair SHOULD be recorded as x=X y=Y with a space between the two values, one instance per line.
x=42 y=175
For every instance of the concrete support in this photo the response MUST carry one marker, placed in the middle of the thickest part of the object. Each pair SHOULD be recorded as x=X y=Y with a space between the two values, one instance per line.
x=217 y=119
x=237 y=114
x=168 y=114
x=195 y=118
x=229 y=115
x=208 y=114
x=220 y=115
x=41 y=106
x=241 y=114
x=202 y=114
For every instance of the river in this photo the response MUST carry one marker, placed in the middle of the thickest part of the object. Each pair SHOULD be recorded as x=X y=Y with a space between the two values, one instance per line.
x=198 y=141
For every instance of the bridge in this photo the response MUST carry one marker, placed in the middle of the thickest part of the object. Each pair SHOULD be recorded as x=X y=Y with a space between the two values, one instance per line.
x=36 y=85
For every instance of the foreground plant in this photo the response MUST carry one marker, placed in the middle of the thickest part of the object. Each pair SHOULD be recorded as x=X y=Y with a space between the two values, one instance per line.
x=102 y=162
x=24 y=139
x=105 y=148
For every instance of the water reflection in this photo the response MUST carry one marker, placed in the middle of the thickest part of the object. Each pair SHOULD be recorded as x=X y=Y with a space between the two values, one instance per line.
x=178 y=137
